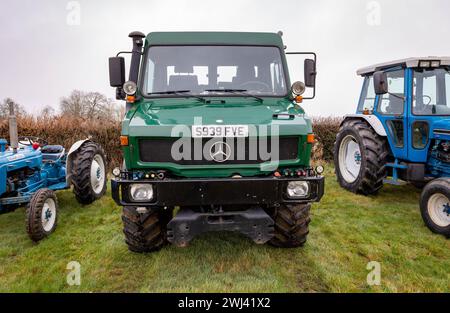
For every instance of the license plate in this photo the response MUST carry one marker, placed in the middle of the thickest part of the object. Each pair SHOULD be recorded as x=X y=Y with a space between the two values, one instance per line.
x=219 y=131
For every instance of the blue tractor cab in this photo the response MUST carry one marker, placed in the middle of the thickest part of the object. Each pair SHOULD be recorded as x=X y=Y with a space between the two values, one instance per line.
x=31 y=171
x=401 y=133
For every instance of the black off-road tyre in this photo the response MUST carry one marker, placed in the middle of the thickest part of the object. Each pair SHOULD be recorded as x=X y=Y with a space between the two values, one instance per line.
x=145 y=232
x=35 y=227
x=374 y=152
x=291 y=225
x=440 y=187
x=83 y=188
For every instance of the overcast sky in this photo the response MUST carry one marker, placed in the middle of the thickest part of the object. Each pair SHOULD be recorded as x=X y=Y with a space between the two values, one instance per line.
x=50 y=47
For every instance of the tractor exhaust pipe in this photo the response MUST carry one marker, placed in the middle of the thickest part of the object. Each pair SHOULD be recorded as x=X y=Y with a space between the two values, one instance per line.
x=136 y=53
x=13 y=133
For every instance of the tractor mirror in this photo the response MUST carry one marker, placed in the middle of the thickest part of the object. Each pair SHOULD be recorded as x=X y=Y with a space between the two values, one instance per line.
x=310 y=73
x=380 y=83
x=116 y=71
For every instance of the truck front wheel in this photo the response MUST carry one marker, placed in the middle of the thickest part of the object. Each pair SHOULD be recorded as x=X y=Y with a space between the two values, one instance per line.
x=145 y=231
x=291 y=225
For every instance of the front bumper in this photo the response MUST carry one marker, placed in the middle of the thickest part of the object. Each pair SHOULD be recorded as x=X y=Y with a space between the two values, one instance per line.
x=224 y=191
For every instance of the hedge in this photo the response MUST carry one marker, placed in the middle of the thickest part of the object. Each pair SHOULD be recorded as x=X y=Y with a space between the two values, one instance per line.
x=65 y=131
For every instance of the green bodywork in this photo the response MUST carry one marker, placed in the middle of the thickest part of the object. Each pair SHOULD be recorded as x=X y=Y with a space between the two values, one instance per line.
x=156 y=116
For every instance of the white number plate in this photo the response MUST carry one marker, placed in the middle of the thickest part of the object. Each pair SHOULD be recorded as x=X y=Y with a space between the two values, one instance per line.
x=219 y=131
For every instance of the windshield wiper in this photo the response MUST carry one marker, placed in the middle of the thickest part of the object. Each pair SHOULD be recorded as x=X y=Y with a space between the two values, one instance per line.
x=236 y=91
x=178 y=92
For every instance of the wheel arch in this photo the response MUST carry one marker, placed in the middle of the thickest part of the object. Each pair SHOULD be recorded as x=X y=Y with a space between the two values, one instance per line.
x=70 y=155
x=372 y=120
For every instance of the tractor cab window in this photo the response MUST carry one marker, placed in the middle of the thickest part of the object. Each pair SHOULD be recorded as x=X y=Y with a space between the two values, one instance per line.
x=393 y=102
x=367 y=100
x=431 y=92
x=420 y=131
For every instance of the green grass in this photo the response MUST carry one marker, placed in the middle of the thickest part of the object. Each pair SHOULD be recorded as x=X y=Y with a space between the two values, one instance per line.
x=347 y=231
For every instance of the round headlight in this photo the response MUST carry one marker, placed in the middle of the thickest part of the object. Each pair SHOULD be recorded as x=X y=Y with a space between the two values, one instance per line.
x=141 y=192
x=298 y=88
x=130 y=88
x=116 y=171
x=298 y=189
x=320 y=169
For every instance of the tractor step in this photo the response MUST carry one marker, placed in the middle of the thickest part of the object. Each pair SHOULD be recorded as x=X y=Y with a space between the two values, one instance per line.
x=394 y=182
x=253 y=223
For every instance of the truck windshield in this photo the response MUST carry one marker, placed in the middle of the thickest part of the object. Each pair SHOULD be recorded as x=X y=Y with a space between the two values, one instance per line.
x=431 y=92
x=206 y=70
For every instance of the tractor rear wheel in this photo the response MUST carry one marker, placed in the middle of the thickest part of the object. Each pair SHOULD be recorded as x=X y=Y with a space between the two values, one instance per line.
x=89 y=173
x=291 y=225
x=360 y=157
x=145 y=231
x=435 y=206
x=42 y=214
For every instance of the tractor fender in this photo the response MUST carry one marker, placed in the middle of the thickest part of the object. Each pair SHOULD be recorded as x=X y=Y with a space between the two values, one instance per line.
x=77 y=145
x=373 y=121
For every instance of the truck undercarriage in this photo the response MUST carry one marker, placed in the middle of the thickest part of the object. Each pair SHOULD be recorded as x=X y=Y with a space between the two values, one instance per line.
x=244 y=205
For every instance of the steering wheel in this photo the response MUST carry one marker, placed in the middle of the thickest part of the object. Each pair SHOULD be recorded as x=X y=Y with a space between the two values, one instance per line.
x=427 y=97
x=255 y=82
x=30 y=140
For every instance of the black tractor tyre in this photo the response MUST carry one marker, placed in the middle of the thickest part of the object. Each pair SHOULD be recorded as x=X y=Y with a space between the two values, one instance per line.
x=42 y=214
x=145 y=232
x=418 y=184
x=435 y=206
x=373 y=157
x=291 y=225
x=88 y=190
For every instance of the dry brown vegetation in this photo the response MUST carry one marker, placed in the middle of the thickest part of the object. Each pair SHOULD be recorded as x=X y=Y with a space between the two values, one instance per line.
x=65 y=131
x=325 y=129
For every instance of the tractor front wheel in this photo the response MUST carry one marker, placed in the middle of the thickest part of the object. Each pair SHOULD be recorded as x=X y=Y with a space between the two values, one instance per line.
x=89 y=173
x=360 y=157
x=42 y=214
x=435 y=206
x=291 y=225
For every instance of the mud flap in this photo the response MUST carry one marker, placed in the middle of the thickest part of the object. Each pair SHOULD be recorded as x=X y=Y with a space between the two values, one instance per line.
x=253 y=223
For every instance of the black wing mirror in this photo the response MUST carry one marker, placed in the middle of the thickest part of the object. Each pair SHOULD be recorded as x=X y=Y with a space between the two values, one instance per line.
x=310 y=73
x=380 y=83
x=116 y=71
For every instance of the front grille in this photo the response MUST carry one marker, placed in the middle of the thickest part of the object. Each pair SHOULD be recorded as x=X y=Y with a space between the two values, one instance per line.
x=241 y=150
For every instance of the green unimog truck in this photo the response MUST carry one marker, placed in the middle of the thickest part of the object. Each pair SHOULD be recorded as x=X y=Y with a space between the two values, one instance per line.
x=214 y=139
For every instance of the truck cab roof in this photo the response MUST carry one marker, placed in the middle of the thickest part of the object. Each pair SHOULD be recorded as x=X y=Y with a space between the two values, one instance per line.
x=407 y=63
x=215 y=38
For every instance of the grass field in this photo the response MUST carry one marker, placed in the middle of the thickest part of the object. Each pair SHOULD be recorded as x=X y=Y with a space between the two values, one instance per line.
x=347 y=232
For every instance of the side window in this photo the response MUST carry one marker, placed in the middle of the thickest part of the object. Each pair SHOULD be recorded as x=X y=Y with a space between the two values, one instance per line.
x=367 y=101
x=447 y=88
x=431 y=93
x=420 y=133
x=393 y=103
x=395 y=128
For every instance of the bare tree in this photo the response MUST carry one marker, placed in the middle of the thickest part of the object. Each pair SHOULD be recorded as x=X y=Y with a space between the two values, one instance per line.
x=87 y=105
x=73 y=104
x=4 y=108
x=48 y=111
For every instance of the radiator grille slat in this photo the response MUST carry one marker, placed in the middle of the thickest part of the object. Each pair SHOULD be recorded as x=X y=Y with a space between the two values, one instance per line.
x=242 y=151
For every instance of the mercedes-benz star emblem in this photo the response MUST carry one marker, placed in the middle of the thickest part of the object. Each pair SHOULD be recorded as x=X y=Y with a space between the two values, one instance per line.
x=220 y=152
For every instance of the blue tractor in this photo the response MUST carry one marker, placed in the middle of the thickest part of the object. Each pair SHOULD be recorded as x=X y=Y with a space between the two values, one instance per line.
x=31 y=171
x=401 y=130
